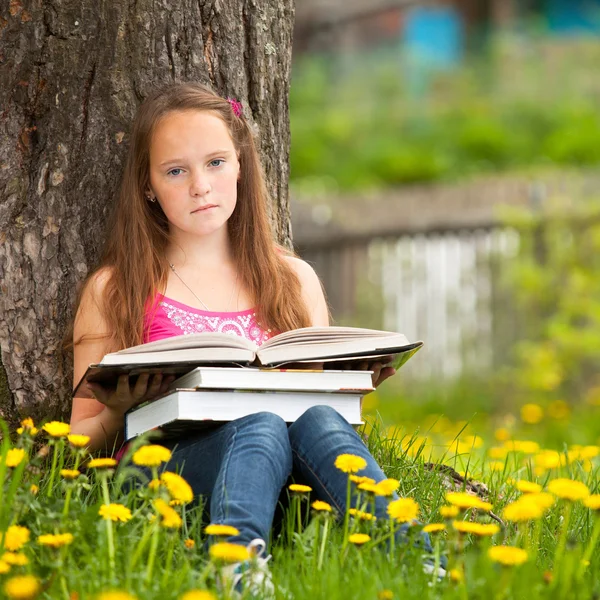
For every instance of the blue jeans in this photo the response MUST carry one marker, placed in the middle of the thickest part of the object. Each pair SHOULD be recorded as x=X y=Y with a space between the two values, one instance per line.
x=242 y=466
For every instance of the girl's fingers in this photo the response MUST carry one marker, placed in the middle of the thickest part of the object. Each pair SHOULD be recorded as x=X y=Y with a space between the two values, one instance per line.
x=155 y=383
x=98 y=392
x=141 y=385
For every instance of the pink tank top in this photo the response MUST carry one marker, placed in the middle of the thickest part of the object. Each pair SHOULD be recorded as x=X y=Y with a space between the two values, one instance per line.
x=166 y=317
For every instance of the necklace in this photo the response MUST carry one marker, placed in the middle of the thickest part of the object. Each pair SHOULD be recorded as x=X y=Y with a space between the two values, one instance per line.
x=195 y=296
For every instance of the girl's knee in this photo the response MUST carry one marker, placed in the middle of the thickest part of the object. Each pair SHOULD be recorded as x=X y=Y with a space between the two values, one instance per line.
x=268 y=431
x=322 y=416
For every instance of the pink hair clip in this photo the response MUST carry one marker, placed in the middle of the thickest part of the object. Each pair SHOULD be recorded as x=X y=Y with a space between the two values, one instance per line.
x=235 y=106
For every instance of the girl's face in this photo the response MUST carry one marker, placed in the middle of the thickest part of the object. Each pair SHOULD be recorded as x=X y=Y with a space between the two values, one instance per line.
x=194 y=170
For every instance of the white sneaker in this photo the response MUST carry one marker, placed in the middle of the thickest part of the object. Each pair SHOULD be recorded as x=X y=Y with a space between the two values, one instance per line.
x=251 y=578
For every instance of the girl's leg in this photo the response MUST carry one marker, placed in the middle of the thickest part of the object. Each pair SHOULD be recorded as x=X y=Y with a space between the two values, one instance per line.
x=241 y=466
x=317 y=438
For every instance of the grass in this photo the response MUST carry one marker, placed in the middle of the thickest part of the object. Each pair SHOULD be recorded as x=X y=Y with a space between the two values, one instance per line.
x=143 y=558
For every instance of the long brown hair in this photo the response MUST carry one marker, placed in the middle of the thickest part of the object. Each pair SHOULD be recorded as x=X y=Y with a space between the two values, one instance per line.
x=139 y=235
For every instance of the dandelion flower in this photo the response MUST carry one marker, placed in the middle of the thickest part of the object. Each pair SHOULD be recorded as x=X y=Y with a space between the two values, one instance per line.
x=179 y=489
x=321 y=506
x=16 y=537
x=498 y=452
x=78 y=440
x=4 y=567
x=386 y=487
x=14 y=457
x=568 y=489
x=502 y=434
x=170 y=517
x=115 y=595
x=592 y=501
x=198 y=595
x=22 y=587
x=370 y=488
x=523 y=446
x=229 y=553
x=385 y=595
x=28 y=427
x=496 y=465
x=463 y=500
x=358 y=479
x=532 y=413
x=115 y=512
x=298 y=488
x=403 y=510
x=151 y=456
x=480 y=529
x=220 y=529
x=548 y=459
x=363 y=516
x=350 y=463
x=16 y=559
x=57 y=429
x=456 y=575
x=528 y=487
x=101 y=463
x=449 y=512
x=55 y=540
x=70 y=473
x=190 y=544
x=507 y=555
x=358 y=539
x=434 y=527
x=523 y=510
x=34 y=489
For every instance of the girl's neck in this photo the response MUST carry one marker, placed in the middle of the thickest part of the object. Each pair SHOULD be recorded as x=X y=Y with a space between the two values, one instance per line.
x=191 y=251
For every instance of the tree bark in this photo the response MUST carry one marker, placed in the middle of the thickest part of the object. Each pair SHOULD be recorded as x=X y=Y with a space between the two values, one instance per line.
x=72 y=73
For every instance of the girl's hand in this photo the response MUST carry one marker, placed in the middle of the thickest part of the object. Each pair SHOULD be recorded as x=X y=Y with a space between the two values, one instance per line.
x=120 y=399
x=380 y=372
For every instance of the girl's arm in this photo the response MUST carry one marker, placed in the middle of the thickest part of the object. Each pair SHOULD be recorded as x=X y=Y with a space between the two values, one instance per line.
x=103 y=418
x=312 y=292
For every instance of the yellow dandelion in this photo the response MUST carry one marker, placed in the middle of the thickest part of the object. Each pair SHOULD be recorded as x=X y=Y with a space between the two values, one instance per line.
x=4 y=567
x=568 y=489
x=386 y=487
x=16 y=537
x=298 y=488
x=463 y=500
x=542 y=499
x=190 y=544
x=78 y=440
x=115 y=595
x=449 y=512
x=592 y=501
x=523 y=510
x=528 y=487
x=507 y=555
x=179 y=489
x=523 y=446
x=70 y=473
x=56 y=540
x=496 y=465
x=502 y=434
x=403 y=510
x=57 y=429
x=369 y=488
x=548 y=459
x=154 y=484
x=358 y=539
x=198 y=595
x=350 y=463
x=498 y=452
x=532 y=413
x=228 y=553
x=220 y=529
x=115 y=512
x=480 y=529
x=385 y=595
x=170 y=517
x=14 y=457
x=27 y=423
x=363 y=516
x=34 y=489
x=358 y=479
x=434 y=527
x=15 y=559
x=321 y=506
x=101 y=463
x=559 y=410
x=151 y=456
x=27 y=426
x=456 y=575
x=22 y=587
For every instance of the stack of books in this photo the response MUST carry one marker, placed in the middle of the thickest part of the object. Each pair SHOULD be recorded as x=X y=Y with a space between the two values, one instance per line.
x=223 y=377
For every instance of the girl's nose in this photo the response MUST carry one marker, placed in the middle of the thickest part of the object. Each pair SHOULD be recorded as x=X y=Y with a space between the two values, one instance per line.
x=200 y=185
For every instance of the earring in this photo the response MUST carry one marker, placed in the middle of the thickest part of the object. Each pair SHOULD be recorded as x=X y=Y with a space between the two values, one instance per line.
x=150 y=198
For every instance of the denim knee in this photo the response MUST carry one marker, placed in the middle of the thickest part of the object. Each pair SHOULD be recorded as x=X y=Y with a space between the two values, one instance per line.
x=322 y=416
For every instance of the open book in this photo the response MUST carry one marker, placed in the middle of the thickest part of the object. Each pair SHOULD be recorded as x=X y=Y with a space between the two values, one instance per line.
x=335 y=346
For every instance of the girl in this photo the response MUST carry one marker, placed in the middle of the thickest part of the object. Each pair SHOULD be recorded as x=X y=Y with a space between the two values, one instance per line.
x=191 y=250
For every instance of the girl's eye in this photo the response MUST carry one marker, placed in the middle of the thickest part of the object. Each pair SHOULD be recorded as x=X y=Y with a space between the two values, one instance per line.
x=174 y=172
x=217 y=160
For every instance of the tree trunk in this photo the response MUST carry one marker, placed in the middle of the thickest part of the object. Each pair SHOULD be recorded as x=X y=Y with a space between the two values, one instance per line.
x=72 y=73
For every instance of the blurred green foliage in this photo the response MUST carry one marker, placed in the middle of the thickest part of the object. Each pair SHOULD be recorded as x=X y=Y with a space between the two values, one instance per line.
x=358 y=123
